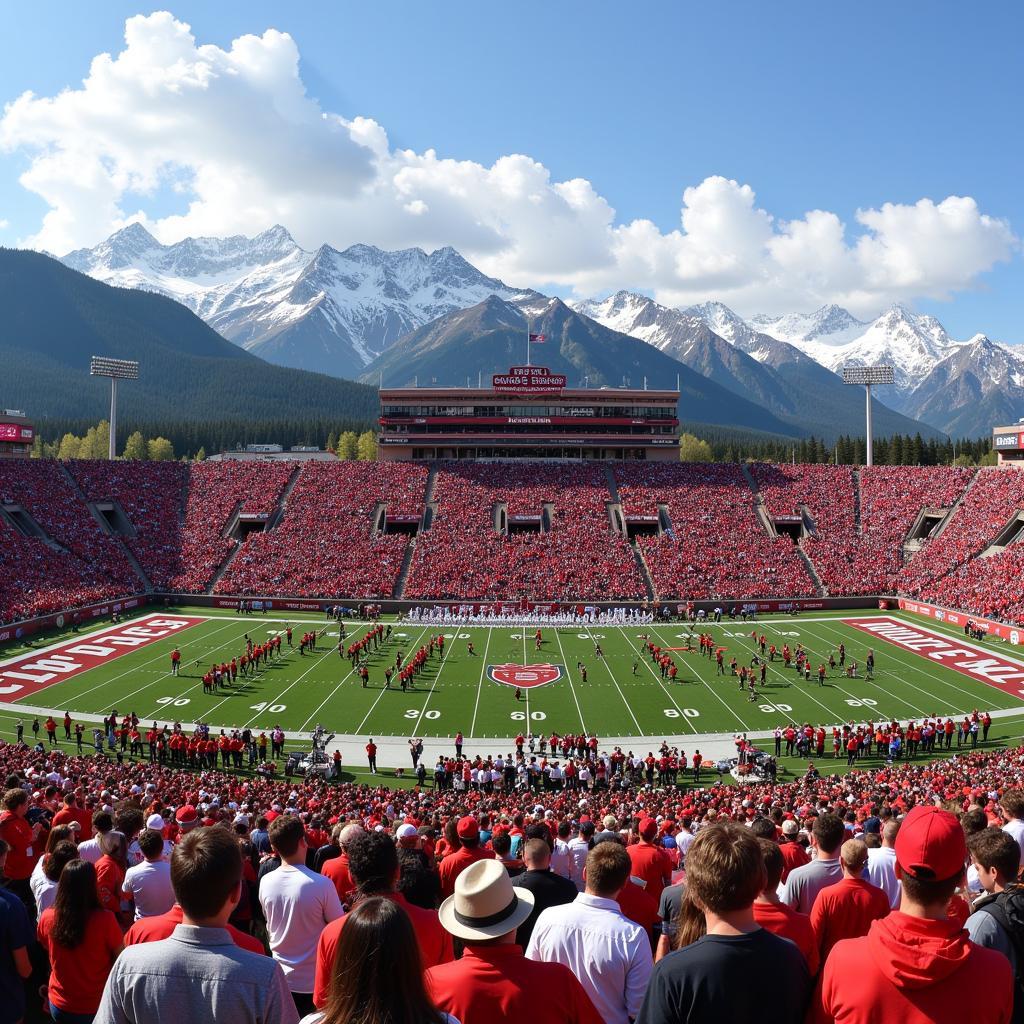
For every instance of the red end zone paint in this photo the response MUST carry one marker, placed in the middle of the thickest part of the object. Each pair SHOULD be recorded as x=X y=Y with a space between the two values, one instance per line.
x=30 y=673
x=966 y=659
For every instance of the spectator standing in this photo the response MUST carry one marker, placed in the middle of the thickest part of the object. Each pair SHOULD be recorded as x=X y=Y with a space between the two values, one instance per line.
x=650 y=862
x=610 y=955
x=336 y=869
x=110 y=871
x=771 y=913
x=494 y=981
x=377 y=974
x=199 y=967
x=793 y=853
x=668 y=912
x=82 y=941
x=15 y=934
x=20 y=838
x=845 y=910
x=804 y=883
x=297 y=903
x=579 y=848
x=995 y=855
x=917 y=963
x=881 y=869
x=1011 y=807
x=738 y=971
x=549 y=889
x=373 y=861
x=89 y=849
x=469 y=851
x=44 y=883
x=148 y=885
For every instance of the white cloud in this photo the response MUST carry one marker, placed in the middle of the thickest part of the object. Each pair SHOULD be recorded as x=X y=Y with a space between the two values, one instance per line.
x=234 y=133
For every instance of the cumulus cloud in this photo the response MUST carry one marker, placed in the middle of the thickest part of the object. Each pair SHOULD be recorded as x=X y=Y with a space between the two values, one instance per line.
x=234 y=133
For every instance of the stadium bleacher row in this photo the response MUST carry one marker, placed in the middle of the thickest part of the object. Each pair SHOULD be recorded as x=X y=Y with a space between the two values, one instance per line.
x=540 y=531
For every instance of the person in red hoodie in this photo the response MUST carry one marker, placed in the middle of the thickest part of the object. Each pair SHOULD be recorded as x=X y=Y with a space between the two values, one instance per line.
x=845 y=910
x=916 y=966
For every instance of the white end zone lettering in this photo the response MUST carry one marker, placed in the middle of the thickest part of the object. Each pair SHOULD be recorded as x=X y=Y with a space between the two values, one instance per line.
x=29 y=673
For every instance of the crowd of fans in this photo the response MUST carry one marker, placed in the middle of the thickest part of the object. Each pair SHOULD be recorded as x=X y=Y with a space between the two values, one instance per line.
x=561 y=546
x=82 y=563
x=327 y=541
x=216 y=490
x=151 y=495
x=124 y=884
x=716 y=547
x=507 y=532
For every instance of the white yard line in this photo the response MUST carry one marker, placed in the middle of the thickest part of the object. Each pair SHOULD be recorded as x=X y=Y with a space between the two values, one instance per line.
x=579 y=710
x=415 y=645
x=480 y=681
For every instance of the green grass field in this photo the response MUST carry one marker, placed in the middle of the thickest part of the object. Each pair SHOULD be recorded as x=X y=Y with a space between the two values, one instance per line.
x=455 y=694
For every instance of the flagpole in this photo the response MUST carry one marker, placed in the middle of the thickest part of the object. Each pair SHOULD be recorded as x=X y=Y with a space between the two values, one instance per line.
x=527 y=340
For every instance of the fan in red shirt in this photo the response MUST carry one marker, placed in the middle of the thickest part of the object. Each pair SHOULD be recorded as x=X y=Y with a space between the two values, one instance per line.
x=469 y=852
x=793 y=854
x=152 y=929
x=336 y=869
x=774 y=916
x=373 y=862
x=650 y=862
x=82 y=941
x=845 y=910
x=916 y=963
x=494 y=981
x=21 y=837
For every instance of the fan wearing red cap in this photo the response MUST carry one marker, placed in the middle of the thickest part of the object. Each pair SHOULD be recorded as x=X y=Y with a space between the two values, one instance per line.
x=650 y=861
x=917 y=966
x=469 y=852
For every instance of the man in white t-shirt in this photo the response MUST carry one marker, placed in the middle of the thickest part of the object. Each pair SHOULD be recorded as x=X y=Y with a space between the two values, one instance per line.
x=1011 y=806
x=881 y=869
x=148 y=884
x=297 y=903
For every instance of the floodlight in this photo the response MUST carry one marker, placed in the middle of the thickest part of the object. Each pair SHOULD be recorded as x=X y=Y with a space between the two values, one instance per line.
x=115 y=369
x=868 y=375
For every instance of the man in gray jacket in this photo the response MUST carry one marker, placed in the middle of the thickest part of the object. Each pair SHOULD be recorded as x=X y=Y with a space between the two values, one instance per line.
x=198 y=973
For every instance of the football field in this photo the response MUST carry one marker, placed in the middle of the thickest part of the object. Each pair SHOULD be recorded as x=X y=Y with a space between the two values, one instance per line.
x=922 y=669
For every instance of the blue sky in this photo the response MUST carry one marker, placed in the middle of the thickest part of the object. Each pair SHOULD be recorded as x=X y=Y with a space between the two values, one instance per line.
x=813 y=106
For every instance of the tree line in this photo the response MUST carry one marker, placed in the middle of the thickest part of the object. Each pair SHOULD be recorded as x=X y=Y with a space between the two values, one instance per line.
x=94 y=443
x=898 y=450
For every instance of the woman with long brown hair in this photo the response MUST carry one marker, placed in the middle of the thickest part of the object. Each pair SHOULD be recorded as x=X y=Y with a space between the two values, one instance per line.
x=45 y=874
x=82 y=940
x=378 y=974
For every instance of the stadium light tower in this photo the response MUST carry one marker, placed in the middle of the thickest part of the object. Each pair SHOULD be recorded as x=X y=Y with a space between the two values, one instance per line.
x=115 y=369
x=868 y=375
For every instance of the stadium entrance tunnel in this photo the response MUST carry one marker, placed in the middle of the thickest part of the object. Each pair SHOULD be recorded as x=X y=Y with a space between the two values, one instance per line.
x=21 y=522
x=793 y=527
x=244 y=525
x=408 y=526
x=506 y=523
x=112 y=518
x=1011 y=533
x=927 y=521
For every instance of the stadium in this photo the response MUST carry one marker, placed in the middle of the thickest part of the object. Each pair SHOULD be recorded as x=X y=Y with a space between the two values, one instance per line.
x=630 y=599
x=511 y=518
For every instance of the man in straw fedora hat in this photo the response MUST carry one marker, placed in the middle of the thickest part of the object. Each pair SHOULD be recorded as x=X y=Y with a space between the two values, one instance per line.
x=494 y=980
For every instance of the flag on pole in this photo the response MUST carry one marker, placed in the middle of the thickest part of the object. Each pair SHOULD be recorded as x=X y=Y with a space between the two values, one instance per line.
x=538 y=339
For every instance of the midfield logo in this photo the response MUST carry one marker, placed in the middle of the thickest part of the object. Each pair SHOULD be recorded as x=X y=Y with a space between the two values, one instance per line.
x=525 y=676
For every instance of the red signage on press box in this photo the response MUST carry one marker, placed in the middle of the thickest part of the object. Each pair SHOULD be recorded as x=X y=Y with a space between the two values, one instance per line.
x=15 y=432
x=1004 y=673
x=30 y=673
x=528 y=380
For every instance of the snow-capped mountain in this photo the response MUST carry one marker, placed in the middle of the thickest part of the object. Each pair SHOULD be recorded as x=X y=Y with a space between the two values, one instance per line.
x=962 y=387
x=721 y=346
x=326 y=310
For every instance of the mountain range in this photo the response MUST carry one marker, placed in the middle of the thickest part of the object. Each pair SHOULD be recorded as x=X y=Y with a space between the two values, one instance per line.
x=328 y=311
x=54 y=319
x=340 y=312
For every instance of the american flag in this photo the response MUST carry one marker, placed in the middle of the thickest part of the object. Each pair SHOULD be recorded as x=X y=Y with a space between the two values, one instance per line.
x=537 y=339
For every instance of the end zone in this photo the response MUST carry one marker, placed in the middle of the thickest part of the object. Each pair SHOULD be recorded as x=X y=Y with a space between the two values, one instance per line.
x=30 y=673
x=1006 y=674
